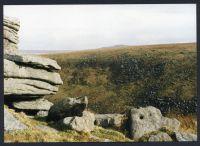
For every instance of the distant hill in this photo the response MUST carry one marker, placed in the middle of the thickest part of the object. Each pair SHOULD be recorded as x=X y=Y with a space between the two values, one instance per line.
x=43 y=51
x=116 y=46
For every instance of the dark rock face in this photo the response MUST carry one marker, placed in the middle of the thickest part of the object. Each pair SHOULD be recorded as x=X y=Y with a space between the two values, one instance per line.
x=68 y=107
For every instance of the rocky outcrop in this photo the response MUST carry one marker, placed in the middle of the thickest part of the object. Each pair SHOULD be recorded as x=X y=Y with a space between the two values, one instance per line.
x=149 y=119
x=27 y=78
x=68 y=107
x=32 y=76
x=109 y=120
x=11 y=123
x=85 y=123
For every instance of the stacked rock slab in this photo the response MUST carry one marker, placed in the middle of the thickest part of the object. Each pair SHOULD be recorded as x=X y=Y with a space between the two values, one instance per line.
x=10 y=38
x=71 y=113
x=27 y=78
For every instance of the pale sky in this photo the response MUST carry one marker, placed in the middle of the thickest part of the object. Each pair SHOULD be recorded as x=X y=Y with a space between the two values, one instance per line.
x=76 y=27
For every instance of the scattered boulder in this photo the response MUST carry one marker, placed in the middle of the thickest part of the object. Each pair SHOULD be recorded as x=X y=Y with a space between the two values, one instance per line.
x=38 y=104
x=109 y=120
x=80 y=124
x=11 y=123
x=159 y=137
x=68 y=107
x=148 y=119
x=182 y=136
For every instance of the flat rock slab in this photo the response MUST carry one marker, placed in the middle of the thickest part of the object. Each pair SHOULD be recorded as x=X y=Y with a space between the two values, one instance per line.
x=68 y=107
x=148 y=119
x=12 y=70
x=38 y=104
x=33 y=61
x=109 y=120
x=80 y=124
x=182 y=136
x=15 y=86
x=11 y=22
x=11 y=123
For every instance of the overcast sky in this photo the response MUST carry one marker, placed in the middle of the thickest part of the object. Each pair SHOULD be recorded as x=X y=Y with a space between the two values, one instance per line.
x=71 y=27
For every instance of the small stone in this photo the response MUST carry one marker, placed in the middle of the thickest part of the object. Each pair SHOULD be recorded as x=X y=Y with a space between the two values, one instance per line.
x=161 y=136
x=80 y=124
x=109 y=120
x=42 y=114
x=182 y=136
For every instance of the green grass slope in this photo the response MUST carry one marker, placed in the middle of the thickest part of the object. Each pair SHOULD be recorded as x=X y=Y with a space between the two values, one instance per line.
x=115 y=79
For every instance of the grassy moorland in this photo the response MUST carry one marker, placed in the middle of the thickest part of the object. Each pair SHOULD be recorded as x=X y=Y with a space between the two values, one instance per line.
x=115 y=79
